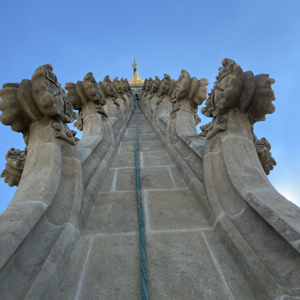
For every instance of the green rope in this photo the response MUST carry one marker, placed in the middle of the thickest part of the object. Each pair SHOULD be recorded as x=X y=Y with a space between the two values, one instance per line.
x=141 y=219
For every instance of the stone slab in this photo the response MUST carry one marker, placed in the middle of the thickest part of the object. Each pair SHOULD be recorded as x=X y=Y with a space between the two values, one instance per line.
x=107 y=184
x=180 y=267
x=155 y=158
x=129 y=146
x=176 y=209
x=122 y=160
x=113 y=270
x=150 y=178
x=114 y=213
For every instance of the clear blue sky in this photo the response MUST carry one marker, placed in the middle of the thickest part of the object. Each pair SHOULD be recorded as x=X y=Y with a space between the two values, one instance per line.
x=77 y=37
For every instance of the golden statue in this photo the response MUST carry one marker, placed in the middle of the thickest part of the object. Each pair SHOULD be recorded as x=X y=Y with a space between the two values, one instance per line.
x=136 y=77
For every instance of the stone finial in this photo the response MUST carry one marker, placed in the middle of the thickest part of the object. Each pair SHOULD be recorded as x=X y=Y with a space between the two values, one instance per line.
x=117 y=86
x=128 y=85
x=31 y=100
x=108 y=88
x=241 y=90
x=85 y=91
x=144 y=85
x=167 y=85
x=49 y=96
x=123 y=85
x=149 y=85
x=191 y=89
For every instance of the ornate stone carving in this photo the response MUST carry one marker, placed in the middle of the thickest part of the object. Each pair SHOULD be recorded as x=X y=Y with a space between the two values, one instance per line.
x=235 y=89
x=64 y=134
x=49 y=96
x=155 y=87
x=31 y=100
x=263 y=148
x=265 y=156
x=108 y=90
x=153 y=98
x=14 y=167
x=118 y=88
x=148 y=86
x=28 y=102
x=83 y=92
x=190 y=89
x=163 y=108
x=144 y=86
x=121 y=99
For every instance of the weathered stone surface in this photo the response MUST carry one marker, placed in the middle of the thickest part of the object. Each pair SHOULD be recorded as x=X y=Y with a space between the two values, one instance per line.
x=185 y=271
x=150 y=178
x=155 y=158
x=175 y=209
x=113 y=270
x=114 y=213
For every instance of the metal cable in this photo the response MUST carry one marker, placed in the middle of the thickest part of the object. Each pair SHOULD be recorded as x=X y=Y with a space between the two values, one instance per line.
x=140 y=209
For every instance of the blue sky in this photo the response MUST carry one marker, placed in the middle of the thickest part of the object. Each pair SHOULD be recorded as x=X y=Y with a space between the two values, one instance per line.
x=77 y=37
